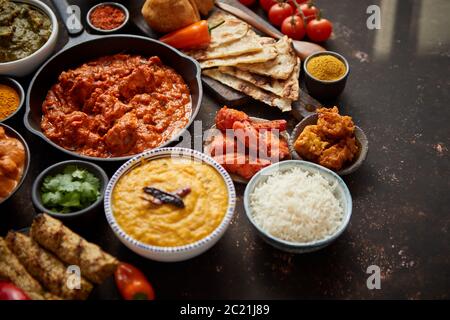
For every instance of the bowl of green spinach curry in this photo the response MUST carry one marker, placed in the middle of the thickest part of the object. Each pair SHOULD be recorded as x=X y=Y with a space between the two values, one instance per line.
x=28 y=34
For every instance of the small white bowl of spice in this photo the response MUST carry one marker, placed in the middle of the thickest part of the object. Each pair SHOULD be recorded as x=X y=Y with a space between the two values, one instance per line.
x=298 y=206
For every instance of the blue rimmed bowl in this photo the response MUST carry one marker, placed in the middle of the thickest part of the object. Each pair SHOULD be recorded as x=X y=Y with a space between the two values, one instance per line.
x=179 y=253
x=341 y=193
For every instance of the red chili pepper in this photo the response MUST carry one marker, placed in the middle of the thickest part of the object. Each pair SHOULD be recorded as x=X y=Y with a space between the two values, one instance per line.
x=8 y=291
x=196 y=35
x=132 y=283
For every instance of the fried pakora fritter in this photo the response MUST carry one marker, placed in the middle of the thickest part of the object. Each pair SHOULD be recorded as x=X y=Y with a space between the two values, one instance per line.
x=334 y=126
x=310 y=143
x=331 y=143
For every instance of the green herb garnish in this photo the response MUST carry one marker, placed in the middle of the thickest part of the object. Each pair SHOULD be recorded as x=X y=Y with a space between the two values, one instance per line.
x=70 y=191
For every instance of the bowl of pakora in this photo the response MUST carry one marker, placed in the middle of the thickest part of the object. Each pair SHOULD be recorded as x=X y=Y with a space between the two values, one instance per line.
x=29 y=32
x=330 y=140
x=170 y=204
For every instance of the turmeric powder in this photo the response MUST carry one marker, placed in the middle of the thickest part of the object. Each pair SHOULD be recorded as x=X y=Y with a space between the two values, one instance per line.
x=9 y=101
x=326 y=67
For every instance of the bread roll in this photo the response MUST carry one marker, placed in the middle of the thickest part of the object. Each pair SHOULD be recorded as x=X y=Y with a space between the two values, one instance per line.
x=169 y=15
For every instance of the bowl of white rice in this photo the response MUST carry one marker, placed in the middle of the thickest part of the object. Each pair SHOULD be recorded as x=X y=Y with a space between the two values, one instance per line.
x=298 y=206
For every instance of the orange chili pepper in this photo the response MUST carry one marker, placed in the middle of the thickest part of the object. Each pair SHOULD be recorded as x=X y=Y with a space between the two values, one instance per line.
x=196 y=35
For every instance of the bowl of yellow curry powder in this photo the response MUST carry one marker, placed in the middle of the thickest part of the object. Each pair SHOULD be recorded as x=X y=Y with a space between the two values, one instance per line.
x=326 y=74
x=12 y=97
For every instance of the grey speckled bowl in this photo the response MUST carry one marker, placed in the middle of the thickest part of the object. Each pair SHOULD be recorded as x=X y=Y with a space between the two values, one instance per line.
x=360 y=136
x=58 y=168
x=340 y=191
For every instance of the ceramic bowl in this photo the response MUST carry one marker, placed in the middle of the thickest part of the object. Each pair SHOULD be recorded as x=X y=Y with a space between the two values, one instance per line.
x=10 y=132
x=25 y=66
x=170 y=254
x=321 y=89
x=341 y=192
x=361 y=140
x=58 y=168
x=16 y=86
x=114 y=4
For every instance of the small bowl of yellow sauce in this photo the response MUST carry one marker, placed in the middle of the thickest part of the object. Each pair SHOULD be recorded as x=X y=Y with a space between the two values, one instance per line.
x=170 y=204
x=326 y=74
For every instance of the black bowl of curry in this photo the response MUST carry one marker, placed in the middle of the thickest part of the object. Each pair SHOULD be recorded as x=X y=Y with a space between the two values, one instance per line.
x=14 y=161
x=114 y=97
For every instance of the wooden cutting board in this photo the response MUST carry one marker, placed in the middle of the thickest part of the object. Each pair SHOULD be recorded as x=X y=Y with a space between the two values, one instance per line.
x=304 y=107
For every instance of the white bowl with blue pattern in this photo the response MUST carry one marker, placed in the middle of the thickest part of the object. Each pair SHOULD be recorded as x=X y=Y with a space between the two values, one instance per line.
x=341 y=193
x=170 y=254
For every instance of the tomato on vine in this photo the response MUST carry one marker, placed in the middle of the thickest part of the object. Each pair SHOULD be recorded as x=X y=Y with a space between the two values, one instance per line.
x=279 y=12
x=294 y=27
x=319 y=29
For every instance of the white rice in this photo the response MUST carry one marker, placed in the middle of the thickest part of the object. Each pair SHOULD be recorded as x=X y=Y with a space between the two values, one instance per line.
x=296 y=206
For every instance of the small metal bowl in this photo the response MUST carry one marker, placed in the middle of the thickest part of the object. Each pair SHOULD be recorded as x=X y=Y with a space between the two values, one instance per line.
x=58 y=168
x=19 y=89
x=114 y=4
x=10 y=132
x=322 y=89
x=361 y=140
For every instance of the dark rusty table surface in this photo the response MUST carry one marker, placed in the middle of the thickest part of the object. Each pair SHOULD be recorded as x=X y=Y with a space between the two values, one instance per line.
x=398 y=92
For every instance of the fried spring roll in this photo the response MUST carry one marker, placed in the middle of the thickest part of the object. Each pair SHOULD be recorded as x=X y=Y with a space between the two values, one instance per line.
x=45 y=267
x=95 y=264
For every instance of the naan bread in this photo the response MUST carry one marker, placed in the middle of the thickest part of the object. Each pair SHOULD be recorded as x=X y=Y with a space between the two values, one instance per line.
x=248 y=44
x=288 y=89
x=267 y=53
x=279 y=68
x=249 y=89
x=231 y=30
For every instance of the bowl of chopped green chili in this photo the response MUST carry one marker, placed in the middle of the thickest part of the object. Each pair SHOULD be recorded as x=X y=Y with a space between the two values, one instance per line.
x=70 y=188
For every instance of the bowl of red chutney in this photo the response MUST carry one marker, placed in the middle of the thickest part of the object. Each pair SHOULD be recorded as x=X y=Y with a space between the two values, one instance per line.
x=107 y=17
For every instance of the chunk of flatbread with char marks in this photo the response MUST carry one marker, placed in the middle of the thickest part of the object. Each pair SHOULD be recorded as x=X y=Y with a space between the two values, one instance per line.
x=268 y=52
x=231 y=30
x=279 y=68
x=250 y=89
x=250 y=43
x=288 y=89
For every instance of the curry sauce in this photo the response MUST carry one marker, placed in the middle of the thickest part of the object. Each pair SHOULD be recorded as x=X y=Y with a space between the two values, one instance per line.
x=115 y=106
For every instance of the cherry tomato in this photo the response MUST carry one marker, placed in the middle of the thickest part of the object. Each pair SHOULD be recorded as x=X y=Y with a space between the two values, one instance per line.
x=132 y=283
x=294 y=27
x=247 y=3
x=279 y=12
x=309 y=11
x=267 y=4
x=319 y=29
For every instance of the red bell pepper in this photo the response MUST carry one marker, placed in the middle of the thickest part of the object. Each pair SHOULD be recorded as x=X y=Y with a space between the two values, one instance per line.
x=9 y=291
x=132 y=283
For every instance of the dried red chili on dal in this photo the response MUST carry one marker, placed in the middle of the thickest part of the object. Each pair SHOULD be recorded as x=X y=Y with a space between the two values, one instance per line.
x=107 y=17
